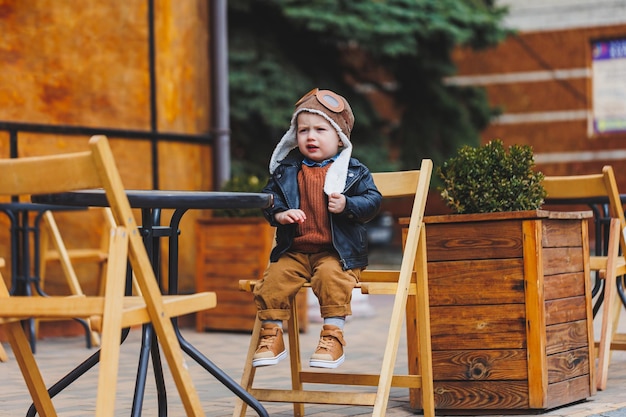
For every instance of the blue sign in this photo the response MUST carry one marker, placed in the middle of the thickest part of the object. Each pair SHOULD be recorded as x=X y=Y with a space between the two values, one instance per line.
x=615 y=49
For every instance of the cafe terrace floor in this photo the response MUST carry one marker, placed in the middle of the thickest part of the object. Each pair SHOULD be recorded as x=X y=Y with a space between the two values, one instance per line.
x=364 y=336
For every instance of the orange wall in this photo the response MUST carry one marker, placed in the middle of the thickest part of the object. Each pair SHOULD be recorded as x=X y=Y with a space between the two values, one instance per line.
x=86 y=64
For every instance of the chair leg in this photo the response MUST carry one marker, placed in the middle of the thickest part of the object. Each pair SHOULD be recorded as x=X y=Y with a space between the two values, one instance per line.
x=111 y=325
x=424 y=336
x=412 y=348
x=294 y=356
x=3 y=354
x=248 y=370
x=391 y=349
x=26 y=361
x=420 y=317
x=607 y=329
x=30 y=370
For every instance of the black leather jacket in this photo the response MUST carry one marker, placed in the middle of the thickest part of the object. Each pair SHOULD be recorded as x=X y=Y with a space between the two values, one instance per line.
x=348 y=229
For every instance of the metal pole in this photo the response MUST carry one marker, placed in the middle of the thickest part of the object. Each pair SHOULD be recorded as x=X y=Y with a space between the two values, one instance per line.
x=153 y=95
x=221 y=115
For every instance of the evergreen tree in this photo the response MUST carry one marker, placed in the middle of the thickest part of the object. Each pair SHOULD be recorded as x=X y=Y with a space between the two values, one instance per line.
x=400 y=50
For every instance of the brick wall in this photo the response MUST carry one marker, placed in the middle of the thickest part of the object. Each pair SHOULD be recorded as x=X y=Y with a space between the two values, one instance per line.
x=542 y=82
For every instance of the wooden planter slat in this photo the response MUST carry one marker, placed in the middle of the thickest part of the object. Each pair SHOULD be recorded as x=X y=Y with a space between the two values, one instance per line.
x=452 y=283
x=511 y=317
x=566 y=336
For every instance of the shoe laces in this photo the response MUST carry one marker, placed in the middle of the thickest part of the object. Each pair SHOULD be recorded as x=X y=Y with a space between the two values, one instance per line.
x=267 y=341
x=327 y=342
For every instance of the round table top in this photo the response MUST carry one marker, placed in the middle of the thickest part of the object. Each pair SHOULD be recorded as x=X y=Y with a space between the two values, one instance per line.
x=15 y=206
x=164 y=199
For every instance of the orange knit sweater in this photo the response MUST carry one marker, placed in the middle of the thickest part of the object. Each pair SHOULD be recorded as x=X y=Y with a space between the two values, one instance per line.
x=313 y=235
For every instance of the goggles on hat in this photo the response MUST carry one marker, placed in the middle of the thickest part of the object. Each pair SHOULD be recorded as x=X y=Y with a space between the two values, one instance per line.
x=326 y=98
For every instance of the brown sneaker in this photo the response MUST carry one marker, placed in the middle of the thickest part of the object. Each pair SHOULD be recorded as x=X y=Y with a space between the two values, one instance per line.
x=329 y=352
x=271 y=349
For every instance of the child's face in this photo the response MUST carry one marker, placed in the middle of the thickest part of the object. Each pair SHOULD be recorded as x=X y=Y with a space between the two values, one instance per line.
x=317 y=139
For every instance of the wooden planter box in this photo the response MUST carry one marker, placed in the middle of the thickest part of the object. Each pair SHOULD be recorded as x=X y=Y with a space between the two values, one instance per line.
x=511 y=315
x=230 y=249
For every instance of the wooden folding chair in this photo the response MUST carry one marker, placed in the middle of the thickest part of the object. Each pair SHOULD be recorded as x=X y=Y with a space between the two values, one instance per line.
x=95 y=168
x=410 y=286
x=53 y=249
x=610 y=267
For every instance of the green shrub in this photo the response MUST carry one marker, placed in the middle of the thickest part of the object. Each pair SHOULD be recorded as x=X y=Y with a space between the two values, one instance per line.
x=489 y=179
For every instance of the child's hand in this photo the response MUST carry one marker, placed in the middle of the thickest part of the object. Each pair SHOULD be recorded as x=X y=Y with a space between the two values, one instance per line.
x=336 y=203
x=290 y=216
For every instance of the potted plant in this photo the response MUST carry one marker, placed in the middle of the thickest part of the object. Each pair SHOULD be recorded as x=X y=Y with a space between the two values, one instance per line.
x=489 y=179
x=233 y=244
x=511 y=318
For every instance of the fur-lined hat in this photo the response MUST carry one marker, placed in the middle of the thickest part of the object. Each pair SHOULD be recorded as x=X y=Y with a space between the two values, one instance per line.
x=337 y=111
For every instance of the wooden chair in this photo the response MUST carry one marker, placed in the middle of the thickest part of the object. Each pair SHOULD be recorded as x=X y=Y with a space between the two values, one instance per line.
x=609 y=267
x=53 y=250
x=410 y=286
x=96 y=168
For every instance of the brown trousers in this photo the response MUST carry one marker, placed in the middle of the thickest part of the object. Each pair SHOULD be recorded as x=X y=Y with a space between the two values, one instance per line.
x=283 y=279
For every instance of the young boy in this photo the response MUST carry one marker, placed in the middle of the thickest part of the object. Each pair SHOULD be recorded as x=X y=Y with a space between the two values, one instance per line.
x=322 y=198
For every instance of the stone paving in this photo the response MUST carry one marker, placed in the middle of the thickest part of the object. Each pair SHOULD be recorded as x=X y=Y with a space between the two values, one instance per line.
x=364 y=334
